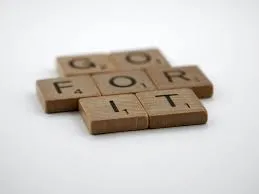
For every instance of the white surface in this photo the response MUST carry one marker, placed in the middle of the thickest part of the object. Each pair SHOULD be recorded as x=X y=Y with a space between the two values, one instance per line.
x=54 y=154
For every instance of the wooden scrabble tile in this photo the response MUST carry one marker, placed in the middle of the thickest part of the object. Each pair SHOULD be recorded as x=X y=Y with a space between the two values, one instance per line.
x=62 y=94
x=108 y=114
x=84 y=64
x=123 y=82
x=182 y=77
x=169 y=108
x=139 y=59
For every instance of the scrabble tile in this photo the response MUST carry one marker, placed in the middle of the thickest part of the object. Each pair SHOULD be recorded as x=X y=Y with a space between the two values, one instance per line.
x=84 y=64
x=182 y=77
x=169 y=108
x=139 y=59
x=123 y=82
x=62 y=94
x=117 y=113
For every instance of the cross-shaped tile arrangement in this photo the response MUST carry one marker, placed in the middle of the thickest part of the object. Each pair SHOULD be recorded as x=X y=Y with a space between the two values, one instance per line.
x=129 y=90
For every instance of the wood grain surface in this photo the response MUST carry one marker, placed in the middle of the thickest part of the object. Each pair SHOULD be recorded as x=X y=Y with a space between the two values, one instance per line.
x=139 y=59
x=84 y=64
x=182 y=77
x=123 y=82
x=170 y=108
x=62 y=94
x=116 y=113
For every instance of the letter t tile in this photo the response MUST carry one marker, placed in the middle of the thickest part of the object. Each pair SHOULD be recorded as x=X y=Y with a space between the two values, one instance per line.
x=169 y=108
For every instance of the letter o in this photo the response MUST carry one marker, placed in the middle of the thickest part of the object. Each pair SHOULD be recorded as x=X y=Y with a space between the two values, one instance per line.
x=86 y=65
x=130 y=58
x=113 y=79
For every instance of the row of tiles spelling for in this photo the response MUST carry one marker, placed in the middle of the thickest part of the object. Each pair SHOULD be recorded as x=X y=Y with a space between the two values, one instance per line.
x=128 y=90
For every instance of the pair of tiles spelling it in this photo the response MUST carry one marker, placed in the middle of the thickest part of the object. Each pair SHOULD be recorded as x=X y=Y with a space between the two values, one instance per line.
x=62 y=94
x=167 y=108
x=98 y=63
x=182 y=77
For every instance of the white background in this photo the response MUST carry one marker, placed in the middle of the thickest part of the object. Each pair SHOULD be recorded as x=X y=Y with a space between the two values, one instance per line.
x=55 y=154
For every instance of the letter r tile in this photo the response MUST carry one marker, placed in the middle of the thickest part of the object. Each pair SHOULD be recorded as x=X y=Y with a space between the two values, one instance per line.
x=169 y=108
x=182 y=77
x=62 y=94
x=123 y=82
x=107 y=114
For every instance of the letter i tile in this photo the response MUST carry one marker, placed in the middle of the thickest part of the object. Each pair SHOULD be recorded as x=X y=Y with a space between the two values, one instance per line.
x=106 y=114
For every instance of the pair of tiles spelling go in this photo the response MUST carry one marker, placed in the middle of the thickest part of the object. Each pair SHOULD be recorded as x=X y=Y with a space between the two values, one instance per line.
x=122 y=74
